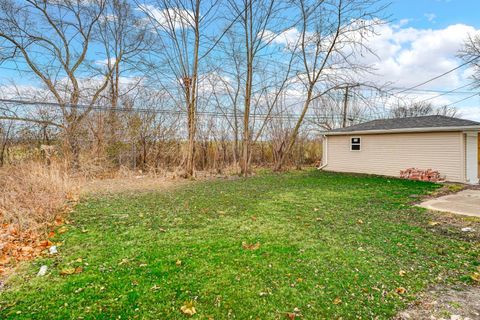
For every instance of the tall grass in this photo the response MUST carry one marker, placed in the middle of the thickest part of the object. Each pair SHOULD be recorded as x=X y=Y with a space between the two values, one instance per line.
x=32 y=194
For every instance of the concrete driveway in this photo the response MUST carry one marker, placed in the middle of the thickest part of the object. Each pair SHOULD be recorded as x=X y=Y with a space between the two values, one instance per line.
x=466 y=202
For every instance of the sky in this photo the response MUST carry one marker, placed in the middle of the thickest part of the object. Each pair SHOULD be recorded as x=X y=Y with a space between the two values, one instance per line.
x=420 y=41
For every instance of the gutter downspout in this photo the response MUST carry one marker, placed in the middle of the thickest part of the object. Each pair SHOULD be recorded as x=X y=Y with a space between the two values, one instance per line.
x=325 y=150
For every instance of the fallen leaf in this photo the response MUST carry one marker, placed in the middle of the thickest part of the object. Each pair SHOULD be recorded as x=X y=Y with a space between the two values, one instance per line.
x=27 y=249
x=45 y=244
x=400 y=290
x=67 y=271
x=402 y=273
x=62 y=230
x=188 y=308
x=433 y=223
x=4 y=260
x=253 y=246
x=360 y=221
x=291 y=315
x=337 y=301
x=178 y=262
x=13 y=230
x=475 y=276
x=51 y=234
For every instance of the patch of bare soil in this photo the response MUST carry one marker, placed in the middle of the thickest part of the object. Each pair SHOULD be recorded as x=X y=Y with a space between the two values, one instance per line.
x=130 y=185
x=445 y=303
x=133 y=184
x=455 y=226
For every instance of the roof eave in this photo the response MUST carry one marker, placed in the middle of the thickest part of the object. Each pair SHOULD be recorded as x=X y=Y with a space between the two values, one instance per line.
x=403 y=130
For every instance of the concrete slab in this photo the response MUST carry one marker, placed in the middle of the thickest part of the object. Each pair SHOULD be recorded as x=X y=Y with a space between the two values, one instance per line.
x=466 y=202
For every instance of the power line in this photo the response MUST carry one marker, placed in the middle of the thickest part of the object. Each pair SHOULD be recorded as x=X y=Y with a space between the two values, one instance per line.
x=439 y=76
x=155 y=111
x=445 y=93
x=461 y=100
x=430 y=90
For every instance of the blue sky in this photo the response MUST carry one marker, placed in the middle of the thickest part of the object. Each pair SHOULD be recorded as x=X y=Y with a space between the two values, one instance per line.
x=447 y=12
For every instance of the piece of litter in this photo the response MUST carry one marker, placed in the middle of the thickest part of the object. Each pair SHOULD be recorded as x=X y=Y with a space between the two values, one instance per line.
x=53 y=250
x=468 y=229
x=42 y=271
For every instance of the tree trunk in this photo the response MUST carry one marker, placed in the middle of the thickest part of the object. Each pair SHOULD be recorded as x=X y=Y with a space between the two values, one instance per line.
x=245 y=162
x=293 y=137
x=190 y=165
x=74 y=147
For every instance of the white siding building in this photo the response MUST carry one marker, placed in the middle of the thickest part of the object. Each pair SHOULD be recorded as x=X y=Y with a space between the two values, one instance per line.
x=387 y=146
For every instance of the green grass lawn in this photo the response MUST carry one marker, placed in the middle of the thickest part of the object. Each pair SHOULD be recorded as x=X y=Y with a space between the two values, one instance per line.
x=331 y=246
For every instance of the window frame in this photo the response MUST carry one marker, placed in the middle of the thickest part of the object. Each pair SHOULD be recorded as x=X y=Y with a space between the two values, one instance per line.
x=359 y=143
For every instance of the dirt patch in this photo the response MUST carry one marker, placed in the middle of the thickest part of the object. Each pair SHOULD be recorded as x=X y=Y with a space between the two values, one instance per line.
x=143 y=183
x=445 y=303
x=130 y=185
x=455 y=226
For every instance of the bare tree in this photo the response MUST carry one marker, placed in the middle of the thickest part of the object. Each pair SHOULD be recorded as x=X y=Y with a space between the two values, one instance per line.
x=332 y=33
x=54 y=39
x=6 y=131
x=126 y=40
x=421 y=109
x=470 y=53
x=183 y=40
x=258 y=25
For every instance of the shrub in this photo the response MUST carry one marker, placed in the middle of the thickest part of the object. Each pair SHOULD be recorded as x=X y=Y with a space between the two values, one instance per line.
x=32 y=194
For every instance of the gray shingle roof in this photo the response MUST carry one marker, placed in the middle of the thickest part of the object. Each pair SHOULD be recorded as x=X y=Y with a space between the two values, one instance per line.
x=408 y=123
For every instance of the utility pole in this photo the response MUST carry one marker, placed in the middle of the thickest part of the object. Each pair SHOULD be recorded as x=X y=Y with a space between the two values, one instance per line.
x=345 y=107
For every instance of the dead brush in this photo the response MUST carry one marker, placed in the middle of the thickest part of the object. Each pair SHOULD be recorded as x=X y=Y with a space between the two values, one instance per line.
x=32 y=194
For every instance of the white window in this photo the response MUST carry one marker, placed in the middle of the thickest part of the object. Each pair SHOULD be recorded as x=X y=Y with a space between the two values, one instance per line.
x=355 y=144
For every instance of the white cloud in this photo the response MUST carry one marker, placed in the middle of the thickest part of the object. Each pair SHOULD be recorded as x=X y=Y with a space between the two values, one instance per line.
x=105 y=62
x=408 y=56
x=11 y=91
x=286 y=38
x=430 y=17
x=167 y=18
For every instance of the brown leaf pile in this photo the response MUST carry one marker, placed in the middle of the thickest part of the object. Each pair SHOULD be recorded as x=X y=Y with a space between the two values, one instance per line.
x=17 y=245
x=32 y=199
